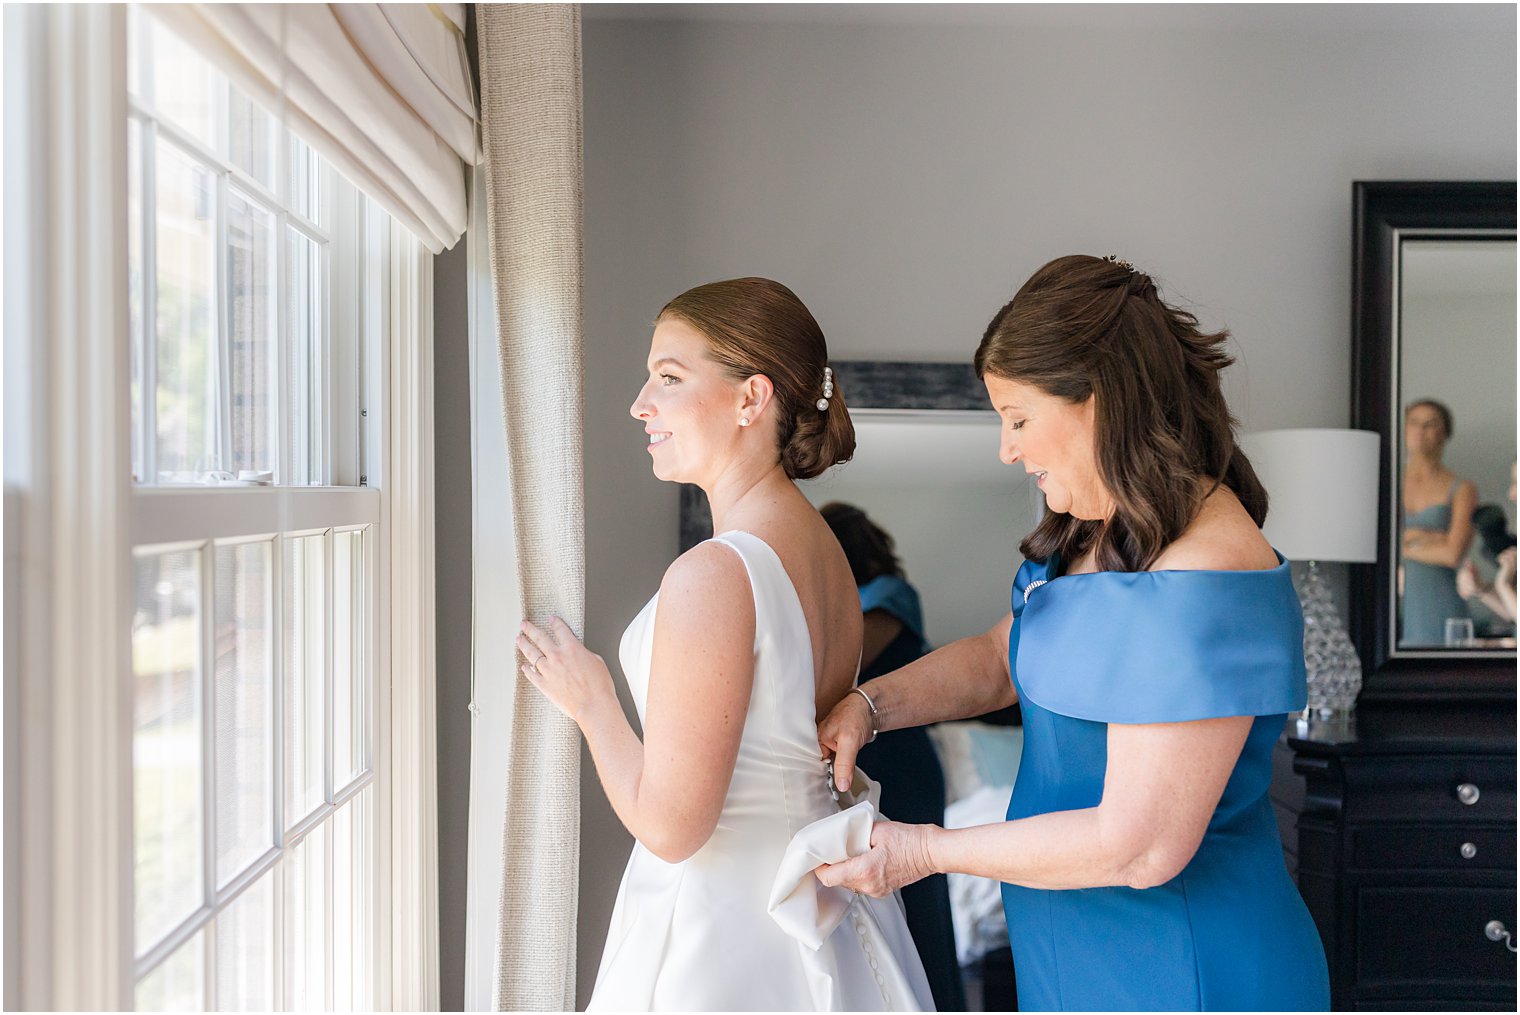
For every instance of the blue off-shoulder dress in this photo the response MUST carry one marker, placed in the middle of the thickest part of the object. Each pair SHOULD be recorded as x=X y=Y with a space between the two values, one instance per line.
x=1230 y=932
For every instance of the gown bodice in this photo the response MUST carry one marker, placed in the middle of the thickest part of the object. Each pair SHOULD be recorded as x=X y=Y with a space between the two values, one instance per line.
x=706 y=933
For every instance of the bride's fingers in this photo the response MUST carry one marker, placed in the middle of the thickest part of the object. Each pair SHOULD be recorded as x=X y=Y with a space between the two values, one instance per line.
x=561 y=631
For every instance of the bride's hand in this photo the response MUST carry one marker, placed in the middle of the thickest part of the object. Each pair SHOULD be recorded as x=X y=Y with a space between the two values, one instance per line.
x=568 y=673
x=899 y=856
x=843 y=732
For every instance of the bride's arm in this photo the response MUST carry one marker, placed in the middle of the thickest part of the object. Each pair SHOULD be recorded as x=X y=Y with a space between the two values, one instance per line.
x=667 y=790
x=965 y=678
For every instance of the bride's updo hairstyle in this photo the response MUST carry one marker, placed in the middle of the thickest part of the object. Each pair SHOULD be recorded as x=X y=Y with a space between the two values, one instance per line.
x=1096 y=326
x=756 y=326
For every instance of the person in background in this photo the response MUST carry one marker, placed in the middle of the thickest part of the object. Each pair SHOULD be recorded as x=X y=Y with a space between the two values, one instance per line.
x=903 y=762
x=1438 y=529
x=1498 y=545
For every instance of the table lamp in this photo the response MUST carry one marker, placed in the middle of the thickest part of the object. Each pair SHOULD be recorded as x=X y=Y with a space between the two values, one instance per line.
x=1322 y=487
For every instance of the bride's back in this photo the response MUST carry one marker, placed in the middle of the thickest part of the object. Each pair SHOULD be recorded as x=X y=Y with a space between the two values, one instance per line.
x=825 y=588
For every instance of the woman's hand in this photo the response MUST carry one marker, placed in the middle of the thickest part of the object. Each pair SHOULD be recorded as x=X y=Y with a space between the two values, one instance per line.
x=843 y=732
x=1468 y=586
x=569 y=674
x=899 y=856
x=1506 y=571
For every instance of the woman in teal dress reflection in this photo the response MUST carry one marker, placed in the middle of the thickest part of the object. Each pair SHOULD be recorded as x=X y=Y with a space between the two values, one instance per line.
x=1438 y=528
x=1155 y=645
x=903 y=762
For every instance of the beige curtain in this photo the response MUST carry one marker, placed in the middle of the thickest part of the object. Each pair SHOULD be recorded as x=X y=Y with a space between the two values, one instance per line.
x=530 y=68
x=382 y=91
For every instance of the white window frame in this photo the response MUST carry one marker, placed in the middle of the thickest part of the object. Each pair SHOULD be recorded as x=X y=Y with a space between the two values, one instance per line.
x=69 y=485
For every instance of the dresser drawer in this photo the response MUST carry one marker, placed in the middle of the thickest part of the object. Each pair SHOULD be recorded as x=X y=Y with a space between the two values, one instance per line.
x=1433 y=788
x=1411 y=937
x=1439 y=847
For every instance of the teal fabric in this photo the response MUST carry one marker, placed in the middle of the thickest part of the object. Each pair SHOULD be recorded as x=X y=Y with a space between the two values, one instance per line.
x=1430 y=590
x=895 y=596
x=1230 y=932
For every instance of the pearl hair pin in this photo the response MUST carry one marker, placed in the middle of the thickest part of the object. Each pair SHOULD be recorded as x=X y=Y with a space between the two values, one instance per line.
x=828 y=389
x=1119 y=261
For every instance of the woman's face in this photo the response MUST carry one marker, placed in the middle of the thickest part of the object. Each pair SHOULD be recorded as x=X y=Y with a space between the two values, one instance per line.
x=1053 y=439
x=1424 y=432
x=689 y=407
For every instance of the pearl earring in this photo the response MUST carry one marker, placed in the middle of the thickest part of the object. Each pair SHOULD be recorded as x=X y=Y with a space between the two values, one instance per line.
x=744 y=421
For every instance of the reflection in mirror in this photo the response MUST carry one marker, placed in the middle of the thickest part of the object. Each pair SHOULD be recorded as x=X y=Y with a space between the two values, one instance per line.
x=1455 y=385
x=956 y=513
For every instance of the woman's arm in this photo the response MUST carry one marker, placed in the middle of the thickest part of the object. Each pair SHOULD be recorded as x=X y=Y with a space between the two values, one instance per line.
x=1449 y=548
x=668 y=790
x=1161 y=786
x=965 y=678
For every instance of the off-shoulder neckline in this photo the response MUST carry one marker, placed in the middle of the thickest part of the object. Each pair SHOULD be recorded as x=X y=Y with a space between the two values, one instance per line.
x=1050 y=564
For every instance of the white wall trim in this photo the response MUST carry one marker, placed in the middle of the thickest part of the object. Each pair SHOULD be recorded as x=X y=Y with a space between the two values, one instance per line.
x=413 y=755
x=66 y=314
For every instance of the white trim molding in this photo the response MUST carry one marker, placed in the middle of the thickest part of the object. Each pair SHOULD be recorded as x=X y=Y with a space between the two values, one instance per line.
x=408 y=503
x=66 y=307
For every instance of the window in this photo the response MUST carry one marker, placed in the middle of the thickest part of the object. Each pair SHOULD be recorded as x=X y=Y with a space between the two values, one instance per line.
x=254 y=273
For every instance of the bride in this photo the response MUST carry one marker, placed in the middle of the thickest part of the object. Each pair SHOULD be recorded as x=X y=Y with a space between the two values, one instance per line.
x=753 y=635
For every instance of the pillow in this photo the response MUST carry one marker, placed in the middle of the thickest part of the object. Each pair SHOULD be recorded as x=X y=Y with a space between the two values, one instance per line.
x=975 y=754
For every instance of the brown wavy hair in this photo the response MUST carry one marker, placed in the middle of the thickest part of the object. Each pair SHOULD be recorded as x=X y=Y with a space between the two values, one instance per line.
x=1093 y=326
x=757 y=326
x=868 y=547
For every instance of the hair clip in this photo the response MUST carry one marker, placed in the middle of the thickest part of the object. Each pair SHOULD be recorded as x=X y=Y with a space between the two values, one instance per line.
x=1119 y=261
x=828 y=389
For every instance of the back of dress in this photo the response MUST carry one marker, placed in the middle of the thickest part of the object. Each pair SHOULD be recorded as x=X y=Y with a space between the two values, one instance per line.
x=697 y=934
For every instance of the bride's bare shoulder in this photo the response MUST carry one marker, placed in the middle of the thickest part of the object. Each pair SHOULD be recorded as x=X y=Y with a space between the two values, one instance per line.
x=1222 y=538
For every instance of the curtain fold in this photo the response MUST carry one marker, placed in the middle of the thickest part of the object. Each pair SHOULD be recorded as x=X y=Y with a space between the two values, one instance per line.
x=530 y=68
x=382 y=91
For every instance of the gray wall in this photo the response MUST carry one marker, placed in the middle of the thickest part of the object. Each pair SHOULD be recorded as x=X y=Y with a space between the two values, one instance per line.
x=904 y=177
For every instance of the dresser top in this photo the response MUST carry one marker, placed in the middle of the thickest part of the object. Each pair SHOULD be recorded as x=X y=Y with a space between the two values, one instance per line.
x=1433 y=728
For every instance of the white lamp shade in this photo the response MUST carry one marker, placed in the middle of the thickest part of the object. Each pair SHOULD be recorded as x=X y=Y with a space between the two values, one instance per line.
x=1323 y=490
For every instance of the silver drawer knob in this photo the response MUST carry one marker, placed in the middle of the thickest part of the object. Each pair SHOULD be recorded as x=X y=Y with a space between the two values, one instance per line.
x=1495 y=931
x=1469 y=851
x=1468 y=793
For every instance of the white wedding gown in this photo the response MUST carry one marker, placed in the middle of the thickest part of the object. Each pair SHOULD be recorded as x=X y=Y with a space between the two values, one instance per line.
x=722 y=931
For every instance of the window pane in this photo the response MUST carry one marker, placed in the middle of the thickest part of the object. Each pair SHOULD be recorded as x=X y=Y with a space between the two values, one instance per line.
x=353 y=924
x=305 y=670
x=178 y=983
x=251 y=313
x=184 y=86
x=245 y=950
x=135 y=287
x=166 y=743
x=305 y=194
x=250 y=138
x=349 y=755
x=244 y=720
x=186 y=312
x=305 y=315
x=306 y=924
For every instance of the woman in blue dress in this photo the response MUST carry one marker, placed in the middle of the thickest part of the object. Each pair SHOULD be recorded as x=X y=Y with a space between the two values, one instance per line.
x=1155 y=644
x=1438 y=528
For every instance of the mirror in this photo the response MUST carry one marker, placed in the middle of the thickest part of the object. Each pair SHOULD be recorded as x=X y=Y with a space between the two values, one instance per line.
x=1456 y=339
x=1434 y=359
x=926 y=470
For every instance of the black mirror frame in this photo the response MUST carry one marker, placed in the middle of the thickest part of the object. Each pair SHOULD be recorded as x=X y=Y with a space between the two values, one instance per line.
x=1381 y=210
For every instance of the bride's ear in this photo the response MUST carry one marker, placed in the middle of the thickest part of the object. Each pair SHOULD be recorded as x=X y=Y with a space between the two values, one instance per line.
x=756 y=393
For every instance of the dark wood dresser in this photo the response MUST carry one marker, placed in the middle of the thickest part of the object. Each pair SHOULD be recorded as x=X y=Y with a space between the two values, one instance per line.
x=1401 y=833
